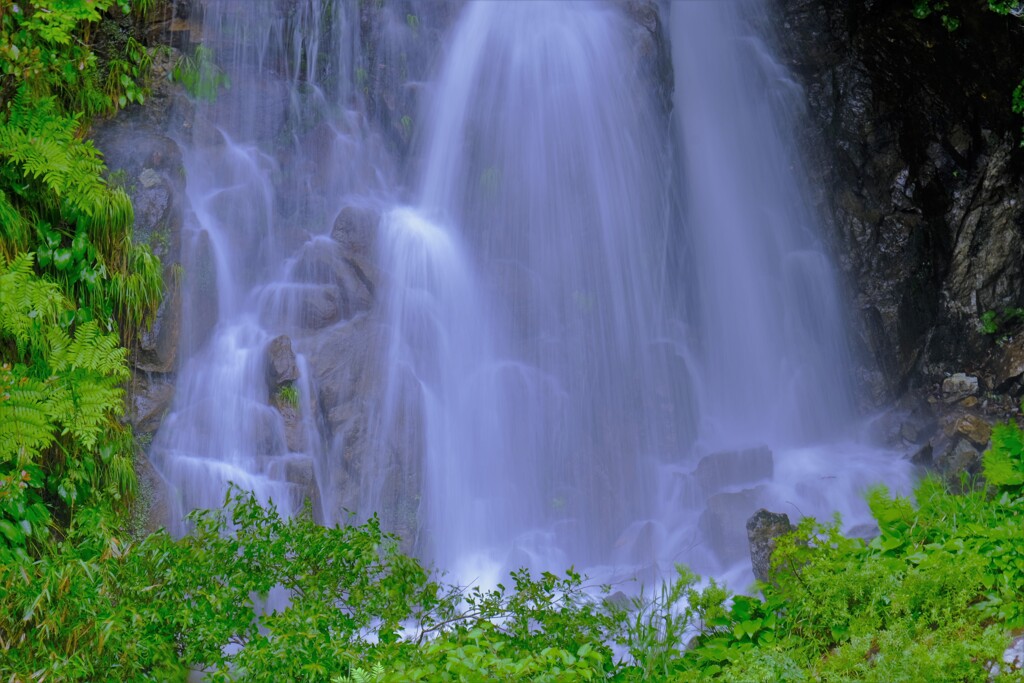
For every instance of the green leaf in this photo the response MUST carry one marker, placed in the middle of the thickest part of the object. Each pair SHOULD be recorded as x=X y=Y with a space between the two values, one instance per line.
x=62 y=259
x=13 y=533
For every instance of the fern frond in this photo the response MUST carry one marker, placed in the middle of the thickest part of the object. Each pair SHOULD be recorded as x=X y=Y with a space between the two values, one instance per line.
x=28 y=305
x=84 y=405
x=15 y=231
x=90 y=349
x=26 y=426
x=46 y=146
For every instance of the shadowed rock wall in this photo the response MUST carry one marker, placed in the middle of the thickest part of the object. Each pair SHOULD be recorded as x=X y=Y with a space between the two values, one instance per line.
x=917 y=162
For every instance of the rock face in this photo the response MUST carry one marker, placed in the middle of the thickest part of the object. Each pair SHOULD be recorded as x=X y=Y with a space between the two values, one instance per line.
x=281 y=368
x=918 y=160
x=142 y=159
x=763 y=528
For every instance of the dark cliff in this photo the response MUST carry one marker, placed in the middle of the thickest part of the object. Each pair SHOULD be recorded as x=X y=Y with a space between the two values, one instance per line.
x=916 y=160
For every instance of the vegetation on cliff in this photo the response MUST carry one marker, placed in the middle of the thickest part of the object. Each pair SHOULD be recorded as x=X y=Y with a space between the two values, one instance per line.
x=952 y=18
x=72 y=282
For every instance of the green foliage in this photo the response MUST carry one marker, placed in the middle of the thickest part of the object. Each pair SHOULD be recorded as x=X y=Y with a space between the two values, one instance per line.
x=59 y=438
x=288 y=395
x=357 y=675
x=1000 y=323
x=70 y=276
x=251 y=596
x=47 y=47
x=1003 y=462
x=200 y=75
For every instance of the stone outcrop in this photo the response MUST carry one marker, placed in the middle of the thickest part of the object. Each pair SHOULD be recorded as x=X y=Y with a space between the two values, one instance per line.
x=763 y=528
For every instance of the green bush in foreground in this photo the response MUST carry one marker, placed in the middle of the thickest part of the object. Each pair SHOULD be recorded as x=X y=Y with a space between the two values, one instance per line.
x=935 y=596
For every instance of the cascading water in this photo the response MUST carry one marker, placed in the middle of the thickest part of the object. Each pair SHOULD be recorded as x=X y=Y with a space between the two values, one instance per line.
x=266 y=166
x=772 y=338
x=529 y=289
x=770 y=335
x=602 y=333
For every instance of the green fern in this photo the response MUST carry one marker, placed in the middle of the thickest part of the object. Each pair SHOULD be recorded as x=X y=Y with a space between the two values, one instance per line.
x=358 y=675
x=26 y=425
x=1003 y=462
x=28 y=305
x=60 y=404
x=44 y=144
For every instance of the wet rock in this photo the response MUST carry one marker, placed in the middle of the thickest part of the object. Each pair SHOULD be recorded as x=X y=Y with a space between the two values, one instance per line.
x=734 y=468
x=152 y=508
x=972 y=427
x=346 y=366
x=399 y=54
x=920 y=177
x=1006 y=365
x=324 y=262
x=909 y=432
x=150 y=399
x=294 y=434
x=147 y=165
x=157 y=348
x=200 y=289
x=300 y=471
x=724 y=521
x=956 y=459
x=1013 y=656
x=865 y=531
x=958 y=386
x=355 y=230
x=318 y=307
x=281 y=367
x=651 y=50
x=619 y=602
x=763 y=528
x=922 y=456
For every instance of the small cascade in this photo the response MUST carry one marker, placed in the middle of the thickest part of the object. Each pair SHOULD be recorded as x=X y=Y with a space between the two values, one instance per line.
x=267 y=165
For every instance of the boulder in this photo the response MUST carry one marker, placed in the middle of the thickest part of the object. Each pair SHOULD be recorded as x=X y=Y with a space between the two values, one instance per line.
x=157 y=348
x=1006 y=365
x=723 y=469
x=723 y=523
x=956 y=387
x=763 y=528
x=957 y=458
x=281 y=367
x=972 y=427
x=322 y=261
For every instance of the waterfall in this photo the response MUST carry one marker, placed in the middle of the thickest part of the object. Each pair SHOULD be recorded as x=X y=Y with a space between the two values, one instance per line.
x=595 y=327
x=531 y=290
x=773 y=341
x=778 y=426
